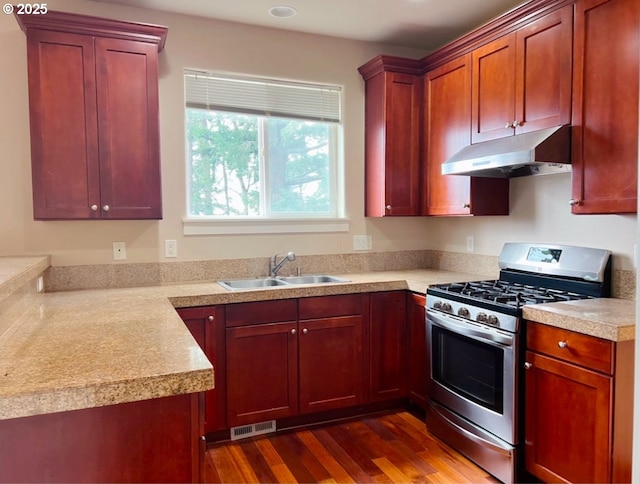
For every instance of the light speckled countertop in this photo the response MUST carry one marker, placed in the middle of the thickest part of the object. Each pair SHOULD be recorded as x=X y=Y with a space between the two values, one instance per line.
x=71 y=350
x=612 y=319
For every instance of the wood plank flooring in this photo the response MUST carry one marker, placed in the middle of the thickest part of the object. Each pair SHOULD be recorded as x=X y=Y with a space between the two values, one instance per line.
x=388 y=448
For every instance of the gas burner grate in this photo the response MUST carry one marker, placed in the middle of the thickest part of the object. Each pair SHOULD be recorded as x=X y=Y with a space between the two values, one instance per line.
x=510 y=293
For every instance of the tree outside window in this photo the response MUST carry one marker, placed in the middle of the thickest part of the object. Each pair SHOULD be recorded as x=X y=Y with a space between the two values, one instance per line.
x=243 y=164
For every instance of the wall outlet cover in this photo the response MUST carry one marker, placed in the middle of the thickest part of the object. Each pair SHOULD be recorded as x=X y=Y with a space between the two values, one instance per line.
x=362 y=242
x=119 y=251
x=170 y=248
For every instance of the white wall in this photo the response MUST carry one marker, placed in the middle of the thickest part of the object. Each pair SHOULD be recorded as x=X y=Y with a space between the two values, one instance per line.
x=540 y=210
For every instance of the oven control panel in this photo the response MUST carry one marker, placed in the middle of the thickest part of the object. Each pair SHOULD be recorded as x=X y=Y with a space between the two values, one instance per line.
x=489 y=317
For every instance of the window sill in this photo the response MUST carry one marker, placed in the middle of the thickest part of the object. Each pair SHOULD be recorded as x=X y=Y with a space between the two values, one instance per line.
x=263 y=226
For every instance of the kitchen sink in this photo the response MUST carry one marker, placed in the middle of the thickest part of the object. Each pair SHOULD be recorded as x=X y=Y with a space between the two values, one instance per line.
x=313 y=279
x=254 y=283
x=263 y=282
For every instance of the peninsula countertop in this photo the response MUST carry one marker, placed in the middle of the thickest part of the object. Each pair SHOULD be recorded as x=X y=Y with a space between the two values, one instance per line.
x=83 y=349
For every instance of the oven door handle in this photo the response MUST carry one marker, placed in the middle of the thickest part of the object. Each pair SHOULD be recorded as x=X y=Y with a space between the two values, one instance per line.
x=485 y=335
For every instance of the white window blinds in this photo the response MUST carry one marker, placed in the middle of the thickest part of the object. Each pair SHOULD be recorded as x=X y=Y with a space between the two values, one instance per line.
x=221 y=92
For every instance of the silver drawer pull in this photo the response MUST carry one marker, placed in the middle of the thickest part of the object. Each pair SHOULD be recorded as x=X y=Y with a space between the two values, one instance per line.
x=562 y=344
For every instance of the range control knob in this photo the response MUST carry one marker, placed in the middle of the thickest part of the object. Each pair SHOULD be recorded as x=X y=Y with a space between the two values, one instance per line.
x=464 y=312
x=481 y=317
x=492 y=320
x=446 y=307
x=437 y=305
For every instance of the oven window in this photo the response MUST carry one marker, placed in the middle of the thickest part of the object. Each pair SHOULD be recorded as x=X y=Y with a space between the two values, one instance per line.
x=468 y=367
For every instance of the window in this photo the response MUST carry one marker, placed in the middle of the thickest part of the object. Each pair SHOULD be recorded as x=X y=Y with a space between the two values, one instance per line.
x=261 y=148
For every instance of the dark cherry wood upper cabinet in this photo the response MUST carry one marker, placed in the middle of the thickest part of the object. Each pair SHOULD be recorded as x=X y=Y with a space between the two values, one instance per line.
x=605 y=107
x=447 y=129
x=93 y=98
x=392 y=136
x=522 y=81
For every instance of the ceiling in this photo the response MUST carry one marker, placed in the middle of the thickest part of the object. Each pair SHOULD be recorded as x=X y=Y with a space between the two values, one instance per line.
x=421 y=24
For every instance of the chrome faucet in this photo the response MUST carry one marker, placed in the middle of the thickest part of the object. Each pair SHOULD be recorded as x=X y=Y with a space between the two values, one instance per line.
x=275 y=267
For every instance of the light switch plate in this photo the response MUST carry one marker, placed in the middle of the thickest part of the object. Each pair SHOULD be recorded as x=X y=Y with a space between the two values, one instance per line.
x=470 y=243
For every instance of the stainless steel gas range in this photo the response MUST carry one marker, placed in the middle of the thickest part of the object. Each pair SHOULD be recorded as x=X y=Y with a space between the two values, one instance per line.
x=475 y=339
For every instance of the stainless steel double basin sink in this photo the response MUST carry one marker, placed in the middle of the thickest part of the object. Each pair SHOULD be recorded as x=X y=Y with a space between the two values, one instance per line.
x=279 y=281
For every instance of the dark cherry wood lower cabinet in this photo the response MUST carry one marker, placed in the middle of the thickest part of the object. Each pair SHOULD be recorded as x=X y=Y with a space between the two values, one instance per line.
x=155 y=440
x=331 y=351
x=416 y=348
x=207 y=325
x=579 y=406
x=262 y=372
x=387 y=340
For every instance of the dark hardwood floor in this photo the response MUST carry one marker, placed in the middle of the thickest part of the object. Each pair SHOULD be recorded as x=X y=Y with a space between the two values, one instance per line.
x=387 y=448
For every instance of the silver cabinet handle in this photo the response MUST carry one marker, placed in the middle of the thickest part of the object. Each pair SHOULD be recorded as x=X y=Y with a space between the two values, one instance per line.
x=210 y=318
x=516 y=124
x=94 y=207
x=388 y=207
x=293 y=331
x=527 y=365
x=573 y=202
x=305 y=331
x=466 y=205
x=508 y=125
x=562 y=344
x=106 y=208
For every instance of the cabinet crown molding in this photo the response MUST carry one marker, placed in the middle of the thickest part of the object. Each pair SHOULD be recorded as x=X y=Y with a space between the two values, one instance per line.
x=101 y=27
x=387 y=63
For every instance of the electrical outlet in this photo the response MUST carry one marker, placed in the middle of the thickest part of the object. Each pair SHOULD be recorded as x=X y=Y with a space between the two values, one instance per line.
x=170 y=248
x=40 y=284
x=362 y=242
x=470 y=243
x=119 y=251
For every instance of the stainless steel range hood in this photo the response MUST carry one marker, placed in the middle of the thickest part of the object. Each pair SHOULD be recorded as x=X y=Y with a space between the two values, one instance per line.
x=539 y=152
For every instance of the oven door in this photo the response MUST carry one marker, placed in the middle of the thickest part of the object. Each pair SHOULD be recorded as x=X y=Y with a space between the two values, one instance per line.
x=473 y=372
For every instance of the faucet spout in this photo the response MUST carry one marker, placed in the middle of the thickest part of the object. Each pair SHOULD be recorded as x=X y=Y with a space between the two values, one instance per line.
x=275 y=266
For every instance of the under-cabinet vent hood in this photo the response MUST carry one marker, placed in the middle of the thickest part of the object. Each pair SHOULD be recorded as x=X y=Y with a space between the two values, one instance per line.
x=539 y=152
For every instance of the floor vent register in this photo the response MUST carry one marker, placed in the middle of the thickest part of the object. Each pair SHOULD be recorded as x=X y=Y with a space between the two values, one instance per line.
x=244 y=431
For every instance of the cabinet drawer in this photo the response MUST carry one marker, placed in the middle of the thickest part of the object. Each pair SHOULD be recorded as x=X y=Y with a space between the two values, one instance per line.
x=331 y=306
x=243 y=314
x=583 y=350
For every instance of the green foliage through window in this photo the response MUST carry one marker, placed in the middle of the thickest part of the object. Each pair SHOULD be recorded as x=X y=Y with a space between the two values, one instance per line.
x=261 y=147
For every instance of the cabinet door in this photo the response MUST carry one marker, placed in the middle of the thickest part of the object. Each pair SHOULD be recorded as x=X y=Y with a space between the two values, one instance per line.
x=447 y=92
x=605 y=107
x=331 y=363
x=417 y=349
x=127 y=92
x=493 y=89
x=567 y=421
x=543 y=72
x=387 y=338
x=262 y=372
x=392 y=145
x=64 y=155
x=208 y=329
